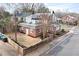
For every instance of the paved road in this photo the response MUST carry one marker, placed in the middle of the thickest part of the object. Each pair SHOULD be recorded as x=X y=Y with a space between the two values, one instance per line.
x=6 y=49
x=69 y=47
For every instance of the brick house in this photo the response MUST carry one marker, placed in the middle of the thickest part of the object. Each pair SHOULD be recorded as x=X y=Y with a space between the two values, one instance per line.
x=69 y=19
x=32 y=25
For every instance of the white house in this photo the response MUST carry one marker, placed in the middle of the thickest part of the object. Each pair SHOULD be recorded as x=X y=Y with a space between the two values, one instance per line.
x=32 y=24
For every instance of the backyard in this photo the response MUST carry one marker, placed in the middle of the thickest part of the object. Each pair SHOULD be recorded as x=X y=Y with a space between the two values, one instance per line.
x=24 y=39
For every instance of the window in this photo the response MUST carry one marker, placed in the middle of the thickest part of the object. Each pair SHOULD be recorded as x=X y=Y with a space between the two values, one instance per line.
x=38 y=30
x=37 y=22
x=35 y=18
x=30 y=23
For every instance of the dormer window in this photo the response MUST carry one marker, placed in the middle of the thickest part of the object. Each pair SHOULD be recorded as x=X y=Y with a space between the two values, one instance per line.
x=35 y=18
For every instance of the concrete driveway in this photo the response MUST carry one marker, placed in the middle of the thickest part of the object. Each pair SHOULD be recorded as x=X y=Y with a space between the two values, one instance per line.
x=6 y=49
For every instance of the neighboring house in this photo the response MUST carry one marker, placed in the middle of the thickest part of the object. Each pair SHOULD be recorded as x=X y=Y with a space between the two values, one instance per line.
x=32 y=25
x=69 y=19
x=20 y=16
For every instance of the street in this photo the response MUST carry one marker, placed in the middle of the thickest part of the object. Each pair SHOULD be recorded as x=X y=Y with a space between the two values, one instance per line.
x=69 y=47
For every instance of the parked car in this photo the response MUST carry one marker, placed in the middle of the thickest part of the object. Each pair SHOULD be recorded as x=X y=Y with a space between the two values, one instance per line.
x=3 y=37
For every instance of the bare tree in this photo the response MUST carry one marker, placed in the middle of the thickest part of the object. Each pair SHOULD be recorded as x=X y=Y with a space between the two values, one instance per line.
x=15 y=25
x=78 y=22
x=45 y=20
x=2 y=19
x=2 y=10
x=29 y=7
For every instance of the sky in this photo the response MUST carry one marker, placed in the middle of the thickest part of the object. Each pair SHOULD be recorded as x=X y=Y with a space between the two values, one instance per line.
x=71 y=7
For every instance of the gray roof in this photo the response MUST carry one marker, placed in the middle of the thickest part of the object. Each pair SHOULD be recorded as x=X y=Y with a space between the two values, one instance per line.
x=28 y=25
x=37 y=14
x=23 y=14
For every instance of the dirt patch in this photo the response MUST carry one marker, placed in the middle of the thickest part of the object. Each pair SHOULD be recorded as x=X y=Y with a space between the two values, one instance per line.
x=24 y=39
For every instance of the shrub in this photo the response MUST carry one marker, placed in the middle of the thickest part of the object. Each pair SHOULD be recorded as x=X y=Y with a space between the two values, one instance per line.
x=62 y=30
x=58 y=33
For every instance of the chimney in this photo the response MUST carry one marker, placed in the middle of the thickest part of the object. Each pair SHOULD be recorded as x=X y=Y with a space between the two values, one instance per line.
x=53 y=12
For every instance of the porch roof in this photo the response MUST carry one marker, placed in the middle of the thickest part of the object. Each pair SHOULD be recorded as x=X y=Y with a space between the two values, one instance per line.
x=29 y=25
